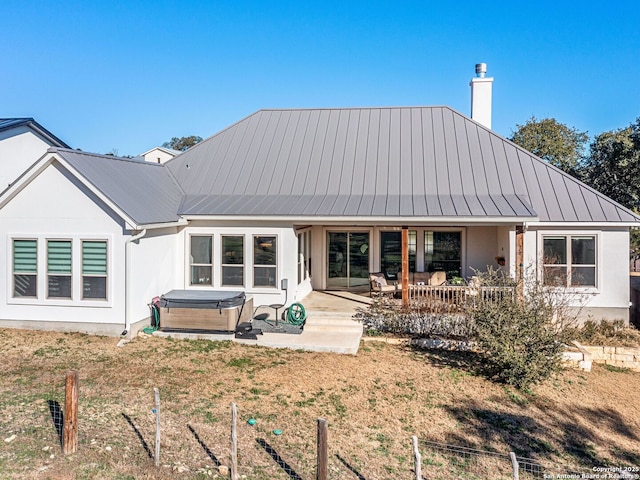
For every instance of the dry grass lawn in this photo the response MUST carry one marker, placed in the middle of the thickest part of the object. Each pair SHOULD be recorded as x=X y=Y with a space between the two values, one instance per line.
x=374 y=403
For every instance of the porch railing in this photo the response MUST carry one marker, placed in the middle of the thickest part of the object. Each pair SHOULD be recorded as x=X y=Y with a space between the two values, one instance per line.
x=455 y=296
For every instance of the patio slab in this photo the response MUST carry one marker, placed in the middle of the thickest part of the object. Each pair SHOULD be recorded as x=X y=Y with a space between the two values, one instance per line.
x=329 y=327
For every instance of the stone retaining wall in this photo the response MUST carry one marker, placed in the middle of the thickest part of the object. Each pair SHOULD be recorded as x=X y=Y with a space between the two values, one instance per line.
x=623 y=357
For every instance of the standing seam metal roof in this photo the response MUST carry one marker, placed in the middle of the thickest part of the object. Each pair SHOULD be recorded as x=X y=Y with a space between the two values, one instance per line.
x=145 y=191
x=404 y=162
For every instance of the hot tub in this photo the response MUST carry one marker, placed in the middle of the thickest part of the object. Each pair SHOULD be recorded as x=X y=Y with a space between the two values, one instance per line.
x=209 y=310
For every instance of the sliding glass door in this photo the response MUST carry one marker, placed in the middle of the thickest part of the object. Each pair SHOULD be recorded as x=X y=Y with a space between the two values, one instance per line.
x=348 y=260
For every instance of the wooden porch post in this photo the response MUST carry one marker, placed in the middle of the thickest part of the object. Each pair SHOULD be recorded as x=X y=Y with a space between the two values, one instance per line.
x=405 y=266
x=520 y=261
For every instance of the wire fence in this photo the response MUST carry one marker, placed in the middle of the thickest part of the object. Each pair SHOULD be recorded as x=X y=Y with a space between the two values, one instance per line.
x=160 y=436
x=442 y=459
x=116 y=426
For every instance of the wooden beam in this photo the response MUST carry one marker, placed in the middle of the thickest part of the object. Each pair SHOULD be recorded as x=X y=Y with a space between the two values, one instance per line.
x=405 y=266
x=520 y=261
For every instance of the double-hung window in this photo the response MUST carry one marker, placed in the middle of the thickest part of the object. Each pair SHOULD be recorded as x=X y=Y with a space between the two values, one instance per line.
x=201 y=260
x=25 y=268
x=569 y=260
x=59 y=269
x=265 y=260
x=94 y=270
x=232 y=260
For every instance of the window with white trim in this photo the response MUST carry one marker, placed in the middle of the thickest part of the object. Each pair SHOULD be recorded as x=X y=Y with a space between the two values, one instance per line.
x=25 y=268
x=94 y=270
x=304 y=255
x=232 y=260
x=59 y=271
x=569 y=260
x=201 y=260
x=265 y=261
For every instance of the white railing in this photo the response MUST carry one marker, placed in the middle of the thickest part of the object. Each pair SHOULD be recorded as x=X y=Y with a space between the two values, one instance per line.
x=455 y=295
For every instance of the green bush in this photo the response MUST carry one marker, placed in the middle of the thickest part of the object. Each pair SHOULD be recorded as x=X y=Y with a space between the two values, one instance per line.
x=517 y=343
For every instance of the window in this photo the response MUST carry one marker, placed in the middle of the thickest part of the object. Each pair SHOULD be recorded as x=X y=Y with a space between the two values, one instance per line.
x=25 y=268
x=391 y=253
x=201 y=260
x=94 y=269
x=265 y=261
x=443 y=251
x=232 y=260
x=304 y=255
x=59 y=268
x=569 y=260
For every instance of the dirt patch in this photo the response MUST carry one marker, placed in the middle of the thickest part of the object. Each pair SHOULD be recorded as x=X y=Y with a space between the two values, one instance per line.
x=374 y=403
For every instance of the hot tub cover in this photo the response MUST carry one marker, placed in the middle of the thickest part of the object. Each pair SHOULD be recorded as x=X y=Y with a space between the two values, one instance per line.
x=217 y=299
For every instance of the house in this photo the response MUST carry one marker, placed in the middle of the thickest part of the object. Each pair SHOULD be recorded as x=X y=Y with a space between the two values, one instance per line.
x=315 y=197
x=159 y=154
x=22 y=142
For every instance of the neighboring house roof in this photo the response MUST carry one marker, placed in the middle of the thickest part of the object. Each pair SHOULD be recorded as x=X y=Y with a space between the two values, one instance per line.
x=9 y=123
x=168 y=151
x=426 y=162
x=145 y=191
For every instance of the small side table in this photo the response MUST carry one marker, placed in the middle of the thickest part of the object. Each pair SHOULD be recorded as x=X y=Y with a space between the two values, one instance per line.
x=276 y=307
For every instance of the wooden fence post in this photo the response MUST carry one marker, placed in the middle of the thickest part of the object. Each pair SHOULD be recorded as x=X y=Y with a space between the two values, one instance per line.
x=514 y=464
x=156 y=398
x=323 y=457
x=417 y=459
x=234 y=442
x=70 y=430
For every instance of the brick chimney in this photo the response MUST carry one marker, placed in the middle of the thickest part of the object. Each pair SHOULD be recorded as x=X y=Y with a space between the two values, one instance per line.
x=481 y=96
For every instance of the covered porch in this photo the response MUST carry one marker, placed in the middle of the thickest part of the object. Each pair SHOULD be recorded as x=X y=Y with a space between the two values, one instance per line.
x=340 y=258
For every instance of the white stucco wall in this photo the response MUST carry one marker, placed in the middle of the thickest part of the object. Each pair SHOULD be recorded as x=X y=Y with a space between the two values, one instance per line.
x=19 y=148
x=153 y=269
x=52 y=207
x=610 y=298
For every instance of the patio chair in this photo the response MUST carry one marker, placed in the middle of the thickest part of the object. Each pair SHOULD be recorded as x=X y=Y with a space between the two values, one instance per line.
x=438 y=279
x=378 y=284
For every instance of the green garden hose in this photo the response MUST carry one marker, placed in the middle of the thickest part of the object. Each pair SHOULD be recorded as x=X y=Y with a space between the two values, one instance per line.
x=296 y=315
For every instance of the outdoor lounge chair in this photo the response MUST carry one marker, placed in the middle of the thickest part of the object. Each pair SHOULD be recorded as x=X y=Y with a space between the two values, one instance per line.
x=378 y=284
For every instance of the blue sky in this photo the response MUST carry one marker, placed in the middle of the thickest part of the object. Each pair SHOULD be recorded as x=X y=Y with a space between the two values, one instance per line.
x=127 y=76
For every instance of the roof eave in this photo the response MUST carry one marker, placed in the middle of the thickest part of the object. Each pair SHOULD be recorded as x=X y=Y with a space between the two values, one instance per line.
x=368 y=220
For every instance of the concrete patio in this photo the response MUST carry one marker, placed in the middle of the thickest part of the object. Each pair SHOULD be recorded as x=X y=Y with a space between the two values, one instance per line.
x=329 y=326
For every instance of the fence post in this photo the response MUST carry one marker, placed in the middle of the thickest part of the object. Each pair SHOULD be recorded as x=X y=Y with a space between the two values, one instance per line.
x=417 y=460
x=514 y=464
x=70 y=430
x=323 y=458
x=234 y=442
x=156 y=398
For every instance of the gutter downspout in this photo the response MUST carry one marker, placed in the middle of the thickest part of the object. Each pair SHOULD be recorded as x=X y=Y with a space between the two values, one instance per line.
x=127 y=282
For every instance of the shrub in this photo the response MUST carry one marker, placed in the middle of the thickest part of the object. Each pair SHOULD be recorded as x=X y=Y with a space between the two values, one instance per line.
x=517 y=343
x=385 y=316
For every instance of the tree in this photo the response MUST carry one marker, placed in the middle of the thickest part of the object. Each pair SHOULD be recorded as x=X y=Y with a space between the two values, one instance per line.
x=555 y=142
x=183 y=143
x=613 y=165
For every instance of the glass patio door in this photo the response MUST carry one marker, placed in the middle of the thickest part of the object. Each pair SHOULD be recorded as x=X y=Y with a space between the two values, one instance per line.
x=348 y=260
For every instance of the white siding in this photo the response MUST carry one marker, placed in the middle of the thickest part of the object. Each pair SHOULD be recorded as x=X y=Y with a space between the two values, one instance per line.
x=19 y=148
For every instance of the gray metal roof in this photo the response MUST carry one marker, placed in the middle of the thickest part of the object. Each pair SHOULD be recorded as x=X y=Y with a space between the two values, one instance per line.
x=392 y=162
x=8 y=123
x=146 y=192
